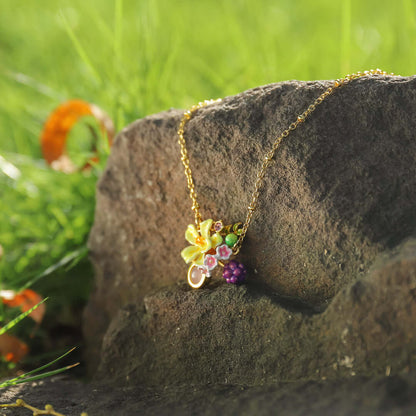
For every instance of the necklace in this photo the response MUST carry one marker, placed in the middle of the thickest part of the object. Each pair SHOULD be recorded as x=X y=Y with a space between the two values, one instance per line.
x=212 y=242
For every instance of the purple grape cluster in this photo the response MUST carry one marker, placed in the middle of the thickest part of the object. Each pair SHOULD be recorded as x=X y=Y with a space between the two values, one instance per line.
x=234 y=272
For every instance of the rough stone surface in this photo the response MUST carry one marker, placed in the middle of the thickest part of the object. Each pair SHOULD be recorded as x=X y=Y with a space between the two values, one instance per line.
x=387 y=396
x=245 y=335
x=341 y=191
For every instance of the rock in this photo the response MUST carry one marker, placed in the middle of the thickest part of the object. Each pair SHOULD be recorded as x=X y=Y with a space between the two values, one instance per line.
x=341 y=191
x=245 y=335
x=395 y=396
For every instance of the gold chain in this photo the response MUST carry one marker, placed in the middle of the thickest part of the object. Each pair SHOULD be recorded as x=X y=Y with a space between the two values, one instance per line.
x=185 y=159
x=267 y=157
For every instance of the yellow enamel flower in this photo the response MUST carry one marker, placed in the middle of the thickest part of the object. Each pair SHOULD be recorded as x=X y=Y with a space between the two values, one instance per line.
x=201 y=242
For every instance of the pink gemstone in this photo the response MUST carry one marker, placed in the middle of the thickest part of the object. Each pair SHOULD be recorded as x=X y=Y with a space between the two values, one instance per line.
x=218 y=226
x=196 y=277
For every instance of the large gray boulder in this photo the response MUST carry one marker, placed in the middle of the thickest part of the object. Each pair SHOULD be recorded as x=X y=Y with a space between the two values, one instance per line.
x=340 y=193
x=243 y=335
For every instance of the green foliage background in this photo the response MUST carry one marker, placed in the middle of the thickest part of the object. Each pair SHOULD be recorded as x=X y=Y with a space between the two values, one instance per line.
x=133 y=58
x=141 y=56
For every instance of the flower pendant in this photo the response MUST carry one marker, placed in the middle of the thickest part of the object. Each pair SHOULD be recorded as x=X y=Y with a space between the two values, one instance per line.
x=211 y=245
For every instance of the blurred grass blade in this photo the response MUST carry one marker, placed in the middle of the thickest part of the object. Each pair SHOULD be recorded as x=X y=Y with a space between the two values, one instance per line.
x=20 y=380
x=72 y=259
x=36 y=370
x=23 y=315
x=78 y=47
x=118 y=28
x=83 y=251
x=28 y=81
x=9 y=169
x=346 y=37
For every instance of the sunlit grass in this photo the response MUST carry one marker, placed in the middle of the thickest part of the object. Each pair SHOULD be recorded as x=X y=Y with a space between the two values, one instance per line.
x=139 y=57
x=44 y=215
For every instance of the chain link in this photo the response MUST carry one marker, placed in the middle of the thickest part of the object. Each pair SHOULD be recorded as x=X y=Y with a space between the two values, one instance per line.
x=185 y=158
x=267 y=160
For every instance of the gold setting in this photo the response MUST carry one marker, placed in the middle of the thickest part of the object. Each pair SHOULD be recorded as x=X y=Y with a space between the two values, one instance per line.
x=198 y=285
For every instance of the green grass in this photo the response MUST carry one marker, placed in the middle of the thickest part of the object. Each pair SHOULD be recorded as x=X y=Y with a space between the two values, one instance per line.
x=45 y=215
x=134 y=58
x=138 y=57
x=30 y=376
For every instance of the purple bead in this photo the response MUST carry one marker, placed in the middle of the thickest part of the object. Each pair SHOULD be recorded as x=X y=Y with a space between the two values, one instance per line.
x=233 y=265
x=227 y=274
x=234 y=272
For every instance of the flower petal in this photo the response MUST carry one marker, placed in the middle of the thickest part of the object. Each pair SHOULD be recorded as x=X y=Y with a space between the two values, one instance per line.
x=210 y=262
x=223 y=252
x=190 y=253
x=199 y=260
x=216 y=240
x=191 y=234
x=206 y=246
x=204 y=228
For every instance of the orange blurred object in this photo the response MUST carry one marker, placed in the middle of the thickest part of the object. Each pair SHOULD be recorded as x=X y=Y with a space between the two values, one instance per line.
x=59 y=124
x=12 y=349
x=25 y=300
